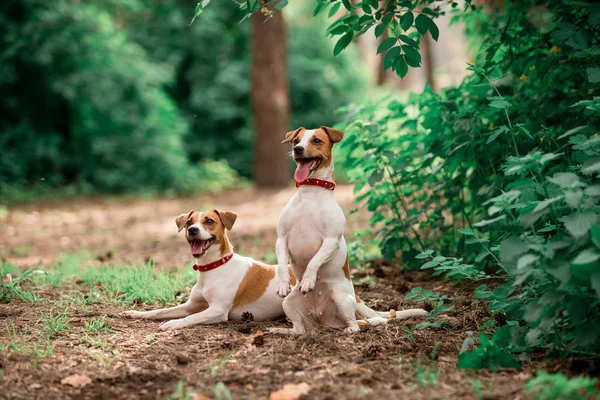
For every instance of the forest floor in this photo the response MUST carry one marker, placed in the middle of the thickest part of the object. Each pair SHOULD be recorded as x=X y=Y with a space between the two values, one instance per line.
x=70 y=341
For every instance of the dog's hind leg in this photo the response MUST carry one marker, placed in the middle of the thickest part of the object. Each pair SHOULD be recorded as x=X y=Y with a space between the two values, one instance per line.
x=293 y=306
x=345 y=302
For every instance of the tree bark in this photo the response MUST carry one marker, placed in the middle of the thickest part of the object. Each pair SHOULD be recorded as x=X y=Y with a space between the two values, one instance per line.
x=427 y=58
x=270 y=100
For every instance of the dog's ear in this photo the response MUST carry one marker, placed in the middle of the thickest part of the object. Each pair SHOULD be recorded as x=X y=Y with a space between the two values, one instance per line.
x=227 y=218
x=182 y=219
x=291 y=135
x=334 y=134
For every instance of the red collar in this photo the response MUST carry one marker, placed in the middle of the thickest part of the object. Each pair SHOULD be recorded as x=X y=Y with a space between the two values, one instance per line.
x=213 y=265
x=317 y=182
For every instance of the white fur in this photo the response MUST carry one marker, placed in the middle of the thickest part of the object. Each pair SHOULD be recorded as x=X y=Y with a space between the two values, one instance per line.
x=310 y=236
x=211 y=298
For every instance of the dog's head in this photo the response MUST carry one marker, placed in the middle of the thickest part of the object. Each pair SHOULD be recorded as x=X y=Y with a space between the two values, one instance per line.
x=312 y=149
x=202 y=230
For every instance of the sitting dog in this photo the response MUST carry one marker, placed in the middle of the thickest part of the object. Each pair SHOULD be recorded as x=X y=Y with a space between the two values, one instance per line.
x=228 y=286
x=310 y=236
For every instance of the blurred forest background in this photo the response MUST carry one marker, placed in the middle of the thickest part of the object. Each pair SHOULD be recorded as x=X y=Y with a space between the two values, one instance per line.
x=125 y=96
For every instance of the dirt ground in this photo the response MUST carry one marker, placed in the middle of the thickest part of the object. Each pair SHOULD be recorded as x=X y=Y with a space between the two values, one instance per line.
x=136 y=360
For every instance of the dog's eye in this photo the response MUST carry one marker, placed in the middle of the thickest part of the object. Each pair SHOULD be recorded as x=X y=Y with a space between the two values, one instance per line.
x=188 y=223
x=317 y=141
x=209 y=221
x=296 y=141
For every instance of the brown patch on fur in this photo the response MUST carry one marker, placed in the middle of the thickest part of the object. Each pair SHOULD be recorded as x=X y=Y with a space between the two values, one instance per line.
x=227 y=218
x=291 y=135
x=292 y=276
x=334 y=134
x=183 y=218
x=347 y=269
x=216 y=228
x=254 y=284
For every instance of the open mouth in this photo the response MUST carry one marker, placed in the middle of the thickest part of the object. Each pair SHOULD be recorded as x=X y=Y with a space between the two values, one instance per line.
x=305 y=167
x=199 y=246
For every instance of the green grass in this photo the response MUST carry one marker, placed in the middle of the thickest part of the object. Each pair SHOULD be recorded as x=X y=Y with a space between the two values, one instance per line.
x=120 y=284
x=96 y=325
x=54 y=323
x=10 y=283
x=27 y=346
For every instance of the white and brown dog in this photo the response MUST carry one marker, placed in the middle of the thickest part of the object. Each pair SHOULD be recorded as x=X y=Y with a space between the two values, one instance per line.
x=228 y=285
x=310 y=236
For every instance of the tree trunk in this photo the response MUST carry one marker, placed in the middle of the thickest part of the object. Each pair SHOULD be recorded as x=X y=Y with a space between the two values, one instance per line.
x=270 y=100
x=427 y=57
x=381 y=72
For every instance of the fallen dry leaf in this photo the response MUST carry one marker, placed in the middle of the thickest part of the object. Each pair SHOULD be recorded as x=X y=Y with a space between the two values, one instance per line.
x=76 y=380
x=290 y=392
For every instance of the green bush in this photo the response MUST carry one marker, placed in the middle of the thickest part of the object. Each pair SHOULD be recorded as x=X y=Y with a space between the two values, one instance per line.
x=502 y=170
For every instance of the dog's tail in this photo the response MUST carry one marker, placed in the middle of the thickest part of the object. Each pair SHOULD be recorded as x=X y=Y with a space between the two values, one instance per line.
x=369 y=313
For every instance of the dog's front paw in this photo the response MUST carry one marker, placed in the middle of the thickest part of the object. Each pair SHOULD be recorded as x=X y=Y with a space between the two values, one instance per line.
x=132 y=314
x=170 y=325
x=308 y=283
x=283 y=288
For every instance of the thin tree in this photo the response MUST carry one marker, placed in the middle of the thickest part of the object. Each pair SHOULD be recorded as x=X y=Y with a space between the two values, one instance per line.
x=270 y=99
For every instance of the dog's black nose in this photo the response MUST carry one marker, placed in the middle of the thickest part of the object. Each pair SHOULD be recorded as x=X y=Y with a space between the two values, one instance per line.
x=193 y=230
x=298 y=150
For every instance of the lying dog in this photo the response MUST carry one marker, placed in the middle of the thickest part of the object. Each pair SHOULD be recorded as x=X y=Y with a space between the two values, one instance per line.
x=310 y=235
x=228 y=286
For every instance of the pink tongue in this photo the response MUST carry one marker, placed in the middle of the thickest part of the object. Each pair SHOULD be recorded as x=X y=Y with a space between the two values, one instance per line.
x=302 y=171
x=198 y=247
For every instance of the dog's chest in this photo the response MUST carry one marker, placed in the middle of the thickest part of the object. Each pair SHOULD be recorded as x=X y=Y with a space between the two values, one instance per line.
x=306 y=224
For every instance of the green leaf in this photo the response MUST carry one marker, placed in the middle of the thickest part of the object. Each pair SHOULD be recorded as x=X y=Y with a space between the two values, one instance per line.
x=281 y=4
x=386 y=45
x=334 y=9
x=579 y=129
x=412 y=56
x=489 y=221
x=422 y=23
x=365 y=7
x=592 y=191
x=347 y=4
x=406 y=20
x=321 y=7
x=542 y=205
x=425 y=254
x=595 y=235
x=401 y=67
x=587 y=256
x=390 y=57
x=578 y=41
x=573 y=198
x=380 y=29
x=579 y=223
x=467 y=231
x=595 y=282
x=565 y=179
x=496 y=133
x=408 y=41
x=433 y=30
x=499 y=103
x=593 y=75
x=343 y=43
x=197 y=12
x=590 y=166
x=526 y=261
